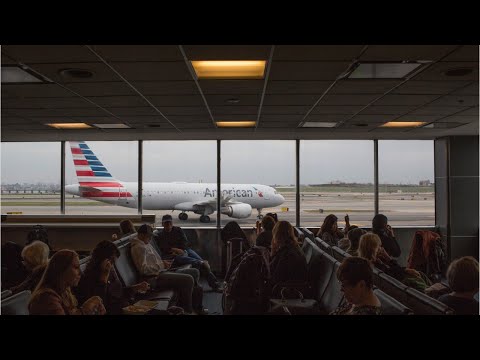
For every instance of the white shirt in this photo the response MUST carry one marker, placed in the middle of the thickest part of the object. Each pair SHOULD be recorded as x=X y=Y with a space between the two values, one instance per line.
x=145 y=258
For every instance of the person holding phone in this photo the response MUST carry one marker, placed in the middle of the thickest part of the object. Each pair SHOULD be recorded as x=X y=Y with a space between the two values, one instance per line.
x=329 y=231
x=385 y=232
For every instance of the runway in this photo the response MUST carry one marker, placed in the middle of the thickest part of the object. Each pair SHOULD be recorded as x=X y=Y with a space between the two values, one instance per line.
x=402 y=209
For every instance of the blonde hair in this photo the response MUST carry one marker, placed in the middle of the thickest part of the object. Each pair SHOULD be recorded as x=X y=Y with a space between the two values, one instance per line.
x=462 y=274
x=54 y=278
x=35 y=254
x=283 y=234
x=368 y=246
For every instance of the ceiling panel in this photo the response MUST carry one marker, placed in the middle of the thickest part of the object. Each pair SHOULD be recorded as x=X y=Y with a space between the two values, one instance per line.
x=308 y=100
x=472 y=89
x=465 y=53
x=327 y=117
x=129 y=53
x=33 y=54
x=118 y=88
x=34 y=91
x=388 y=110
x=74 y=102
x=282 y=118
x=398 y=99
x=285 y=109
x=316 y=52
x=303 y=70
x=231 y=86
x=235 y=110
x=227 y=52
x=348 y=99
x=112 y=101
x=456 y=100
x=372 y=118
x=275 y=124
x=457 y=118
x=297 y=87
x=180 y=100
x=438 y=110
x=94 y=111
x=357 y=86
x=472 y=111
x=424 y=118
x=345 y=109
x=147 y=88
x=405 y=52
x=436 y=71
x=223 y=100
x=52 y=71
x=150 y=71
x=429 y=87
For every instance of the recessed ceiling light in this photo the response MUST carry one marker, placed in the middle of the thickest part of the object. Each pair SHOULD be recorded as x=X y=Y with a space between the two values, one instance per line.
x=76 y=73
x=458 y=72
x=236 y=124
x=359 y=125
x=153 y=125
x=12 y=74
x=319 y=124
x=112 y=126
x=403 y=124
x=69 y=125
x=235 y=69
x=383 y=70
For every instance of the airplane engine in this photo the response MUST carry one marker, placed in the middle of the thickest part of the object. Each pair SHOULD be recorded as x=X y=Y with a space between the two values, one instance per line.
x=238 y=211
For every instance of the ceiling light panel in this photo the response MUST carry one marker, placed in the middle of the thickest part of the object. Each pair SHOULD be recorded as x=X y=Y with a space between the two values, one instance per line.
x=70 y=126
x=235 y=69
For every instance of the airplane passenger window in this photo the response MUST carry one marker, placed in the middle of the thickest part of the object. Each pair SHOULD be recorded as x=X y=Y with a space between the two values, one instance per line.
x=406 y=182
x=31 y=178
x=183 y=178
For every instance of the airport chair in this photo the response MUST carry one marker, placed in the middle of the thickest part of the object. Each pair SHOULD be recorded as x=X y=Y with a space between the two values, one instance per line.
x=16 y=304
x=391 y=306
x=6 y=294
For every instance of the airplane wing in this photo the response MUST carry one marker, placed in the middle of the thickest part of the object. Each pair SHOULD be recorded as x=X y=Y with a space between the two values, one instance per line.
x=198 y=205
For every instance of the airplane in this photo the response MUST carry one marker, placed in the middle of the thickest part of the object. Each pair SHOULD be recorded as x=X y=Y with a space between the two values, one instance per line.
x=97 y=183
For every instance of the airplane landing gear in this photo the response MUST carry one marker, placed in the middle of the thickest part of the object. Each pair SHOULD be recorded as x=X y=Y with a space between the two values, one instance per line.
x=204 y=219
x=259 y=216
x=183 y=216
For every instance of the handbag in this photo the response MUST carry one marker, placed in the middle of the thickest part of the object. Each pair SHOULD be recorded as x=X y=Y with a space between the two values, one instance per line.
x=297 y=306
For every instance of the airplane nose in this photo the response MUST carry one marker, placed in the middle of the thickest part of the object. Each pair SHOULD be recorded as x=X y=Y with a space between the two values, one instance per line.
x=282 y=199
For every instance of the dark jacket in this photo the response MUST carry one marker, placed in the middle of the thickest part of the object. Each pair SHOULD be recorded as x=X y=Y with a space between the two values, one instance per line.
x=389 y=243
x=288 y=264
x=165 y=241
x=32 y=280
x=113 y=294
x=264 y=239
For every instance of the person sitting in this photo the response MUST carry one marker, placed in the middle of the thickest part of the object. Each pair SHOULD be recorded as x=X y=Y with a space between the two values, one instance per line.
x=35 y=259
x=173 y=245
x=356 y=276
x=462 y=276
x=126 y=228
x=154 y=270
x=53 y=295
x=329 y=231
x=344 y=243
x=101 y=279
x=265 y=235
x=288 y=262
x=354 y=236
x=273 y=215
x=385 y=232
x=370 y=248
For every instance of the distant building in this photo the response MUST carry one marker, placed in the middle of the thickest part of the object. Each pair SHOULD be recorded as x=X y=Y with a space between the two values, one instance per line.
x=424 y=183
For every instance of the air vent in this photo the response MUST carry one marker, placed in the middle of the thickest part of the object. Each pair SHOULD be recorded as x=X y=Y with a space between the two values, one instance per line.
x=76 y=73
x=458 y=72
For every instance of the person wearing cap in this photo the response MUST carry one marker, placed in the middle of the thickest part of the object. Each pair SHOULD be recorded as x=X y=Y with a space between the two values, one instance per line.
x=173 y=245
x=152 y=268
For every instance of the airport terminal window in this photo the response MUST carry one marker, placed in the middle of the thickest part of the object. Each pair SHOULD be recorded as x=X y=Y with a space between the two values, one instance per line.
x=336 y=177
x=101 y=177
x=251 y=173
x=406 y=182
x=186 y=176
x=31 y=178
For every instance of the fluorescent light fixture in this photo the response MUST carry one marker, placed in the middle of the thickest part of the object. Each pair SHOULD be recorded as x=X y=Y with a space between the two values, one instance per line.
x=112 y=126
x=319 y=124
x=403 y=124
x=383 y=70
x=235 y=69
x=236 y=124
x=12 y=74
x=69 y=125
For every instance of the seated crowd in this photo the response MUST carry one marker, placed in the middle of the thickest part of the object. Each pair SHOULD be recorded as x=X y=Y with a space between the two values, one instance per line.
x=59 y=288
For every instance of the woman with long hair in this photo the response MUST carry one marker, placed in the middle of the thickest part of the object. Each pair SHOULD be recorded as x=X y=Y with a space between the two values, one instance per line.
x=329 y=231
x=288 y=262
x=53 y=295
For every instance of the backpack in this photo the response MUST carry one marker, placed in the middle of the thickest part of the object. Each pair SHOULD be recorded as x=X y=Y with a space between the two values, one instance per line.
x=38 y=232
x=246 y=289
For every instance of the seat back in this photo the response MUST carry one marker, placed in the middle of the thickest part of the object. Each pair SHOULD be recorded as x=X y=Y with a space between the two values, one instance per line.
x=422 y=304
x=323 y=245
x=339 y=254
x=125 y=267
x=308 y=233
x=390 y=306
x=16 y=304
x=333 y=295
x=6 y=294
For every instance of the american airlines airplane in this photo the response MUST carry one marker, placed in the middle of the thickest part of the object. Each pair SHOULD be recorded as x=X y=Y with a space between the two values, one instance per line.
x=237 y=200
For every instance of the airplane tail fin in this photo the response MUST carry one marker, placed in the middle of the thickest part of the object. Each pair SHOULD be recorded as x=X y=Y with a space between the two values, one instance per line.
x=91 y=173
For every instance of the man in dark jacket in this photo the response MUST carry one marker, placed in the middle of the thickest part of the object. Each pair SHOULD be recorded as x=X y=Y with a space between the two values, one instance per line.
x=173 y=245
x=385 y=232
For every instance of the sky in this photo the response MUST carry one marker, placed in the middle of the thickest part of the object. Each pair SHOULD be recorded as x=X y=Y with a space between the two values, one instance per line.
x=256 y=162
